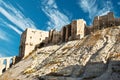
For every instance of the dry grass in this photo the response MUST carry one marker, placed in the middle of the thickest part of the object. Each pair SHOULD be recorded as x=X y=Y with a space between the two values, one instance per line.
x=68 y=47
x=8 y=77
x=52 y=63
x=114 y=55
x=30 y=54
x=34 y=57
x=54 y=70
x=29 y=70
x=93 y=39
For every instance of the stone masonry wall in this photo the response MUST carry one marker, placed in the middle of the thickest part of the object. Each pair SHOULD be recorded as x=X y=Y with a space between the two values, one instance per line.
x=29 y=39
x=105 y=21
x=78 y=29
x=56 y=37
x=68 y=32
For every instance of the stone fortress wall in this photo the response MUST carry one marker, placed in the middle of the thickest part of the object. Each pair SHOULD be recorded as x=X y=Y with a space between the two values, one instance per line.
x=77 y=29
x=29 y=39
x=101 y=22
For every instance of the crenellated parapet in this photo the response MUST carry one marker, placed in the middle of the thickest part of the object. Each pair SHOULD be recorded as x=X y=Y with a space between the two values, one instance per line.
x=6 y=62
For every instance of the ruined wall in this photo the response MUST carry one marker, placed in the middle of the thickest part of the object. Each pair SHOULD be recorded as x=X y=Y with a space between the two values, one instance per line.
x=5 y=63
x=29 y=39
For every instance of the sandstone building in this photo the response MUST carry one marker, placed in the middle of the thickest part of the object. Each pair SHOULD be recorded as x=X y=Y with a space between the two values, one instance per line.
x=29 y=39
x=105 y=21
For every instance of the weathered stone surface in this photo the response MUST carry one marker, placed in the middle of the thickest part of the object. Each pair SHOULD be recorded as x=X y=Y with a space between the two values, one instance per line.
x=78 y=29
x=94 y=57
x=5 y=63
x=29 y=39
x=56 y=37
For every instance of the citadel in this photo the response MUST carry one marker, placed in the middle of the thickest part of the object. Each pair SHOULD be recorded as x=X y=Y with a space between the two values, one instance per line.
x=32 y=39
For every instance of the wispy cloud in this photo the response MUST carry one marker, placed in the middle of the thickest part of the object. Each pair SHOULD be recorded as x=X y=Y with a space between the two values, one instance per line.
x=2 y=55
x=3 y=35
x=56 y=18
x=118 y=3
x=7 y=25
x=15 y=16
x=92 y=7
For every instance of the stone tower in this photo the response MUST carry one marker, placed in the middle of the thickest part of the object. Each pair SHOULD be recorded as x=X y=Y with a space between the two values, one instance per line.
x=78 y=29
x=29 y=39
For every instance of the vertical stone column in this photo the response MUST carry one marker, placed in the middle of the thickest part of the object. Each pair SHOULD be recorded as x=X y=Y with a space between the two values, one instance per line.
x=63 y=34
x=73 y=29
x=50 y=35
x=78 y=29
x=66 y=36
x=1 y=65
x=68 y=32
x=13 y=60
x=8 y=63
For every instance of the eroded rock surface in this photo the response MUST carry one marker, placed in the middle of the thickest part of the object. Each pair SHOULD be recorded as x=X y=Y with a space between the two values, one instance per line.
x=95 y=57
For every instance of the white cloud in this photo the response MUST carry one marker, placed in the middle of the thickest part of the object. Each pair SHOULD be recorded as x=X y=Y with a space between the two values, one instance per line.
x=1 y=55
x=91 y=7
x=15 y=16
x=3 y=35
x=15 y=29
x=57 y=18
x=5 y=24
x=118 y=3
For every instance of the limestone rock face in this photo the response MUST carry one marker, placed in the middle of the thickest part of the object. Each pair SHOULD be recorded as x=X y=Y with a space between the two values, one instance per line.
x=94 y=57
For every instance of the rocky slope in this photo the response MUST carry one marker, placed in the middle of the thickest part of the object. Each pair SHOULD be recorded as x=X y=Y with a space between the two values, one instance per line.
x=95 y=57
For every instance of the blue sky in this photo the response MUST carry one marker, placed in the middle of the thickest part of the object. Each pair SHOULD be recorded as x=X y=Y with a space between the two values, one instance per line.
x=17 y=15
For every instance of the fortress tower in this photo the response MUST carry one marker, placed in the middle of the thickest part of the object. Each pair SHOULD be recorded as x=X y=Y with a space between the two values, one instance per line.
x=29 y=39
x=78 y=29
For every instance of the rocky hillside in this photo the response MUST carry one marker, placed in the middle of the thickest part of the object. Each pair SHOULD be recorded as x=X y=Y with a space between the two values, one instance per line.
x=95 y=57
